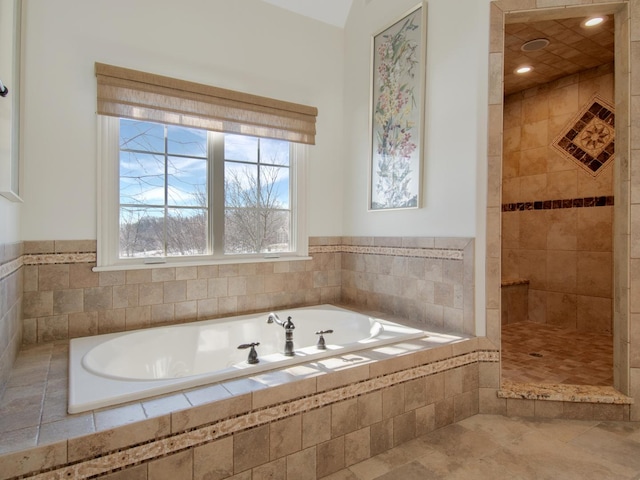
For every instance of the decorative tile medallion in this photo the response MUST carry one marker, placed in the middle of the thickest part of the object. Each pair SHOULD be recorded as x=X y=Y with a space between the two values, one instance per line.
x=589 y=138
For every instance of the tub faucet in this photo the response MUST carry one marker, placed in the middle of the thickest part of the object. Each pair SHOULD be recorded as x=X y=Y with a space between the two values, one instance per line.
x=288 y=332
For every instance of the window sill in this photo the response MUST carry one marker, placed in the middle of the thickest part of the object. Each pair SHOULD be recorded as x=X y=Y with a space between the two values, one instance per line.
x=197 y=263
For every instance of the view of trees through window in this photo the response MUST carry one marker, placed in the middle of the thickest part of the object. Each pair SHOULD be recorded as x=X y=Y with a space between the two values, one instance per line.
x=167 y=178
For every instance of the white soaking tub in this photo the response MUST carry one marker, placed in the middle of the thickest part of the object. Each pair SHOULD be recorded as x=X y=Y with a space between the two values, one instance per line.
x=109 y=369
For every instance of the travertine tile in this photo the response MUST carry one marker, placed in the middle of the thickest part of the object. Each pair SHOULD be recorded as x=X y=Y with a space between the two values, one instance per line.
x=214 y=460
x=276 y=470
x=81 y=276
x=98 y=298
x=381 y=436
x=285 y=437
x=178 y=465
x=369 y=409
x=404 y=427
x=316 y=426
x=150 y=293
x=251 y=448
x=115 y=438
x=53 y=277
x=223 y=407
x=302 y=465
x=330 y=457
x=393 y=400
x=357 y=446
x=139 y=472
x=344 y=417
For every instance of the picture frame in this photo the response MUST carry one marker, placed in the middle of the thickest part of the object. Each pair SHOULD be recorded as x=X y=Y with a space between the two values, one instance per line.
x=396 y=116
x=10 y=39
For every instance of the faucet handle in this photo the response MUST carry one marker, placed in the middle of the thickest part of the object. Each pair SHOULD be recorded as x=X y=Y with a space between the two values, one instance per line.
x=321 y=343
x=253 y=355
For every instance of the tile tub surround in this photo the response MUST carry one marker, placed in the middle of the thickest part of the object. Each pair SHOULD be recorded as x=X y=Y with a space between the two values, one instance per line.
x=557 y=217
x=339 y=411
x=11 y=282
x=426 y=279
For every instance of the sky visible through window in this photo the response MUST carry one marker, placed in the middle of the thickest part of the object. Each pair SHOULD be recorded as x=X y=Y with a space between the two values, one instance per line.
x=164 y=197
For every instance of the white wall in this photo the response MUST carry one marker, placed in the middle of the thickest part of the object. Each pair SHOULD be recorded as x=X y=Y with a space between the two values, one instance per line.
x=9 y=211
x=455 y=130
x=245 y=45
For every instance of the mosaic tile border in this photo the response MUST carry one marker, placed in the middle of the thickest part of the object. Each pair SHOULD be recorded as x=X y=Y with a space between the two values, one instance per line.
x=563 y=393
x=193 y=438
x=8 y=268
x=436 y=253
x=58 y=258
x=585 y=202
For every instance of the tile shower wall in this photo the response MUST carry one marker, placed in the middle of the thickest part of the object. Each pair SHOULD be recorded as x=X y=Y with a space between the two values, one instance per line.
x=426 y=279
x=10 y=307
x=557 y=219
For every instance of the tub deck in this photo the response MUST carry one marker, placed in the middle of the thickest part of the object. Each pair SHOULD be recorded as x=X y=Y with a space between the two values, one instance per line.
x=37 y=434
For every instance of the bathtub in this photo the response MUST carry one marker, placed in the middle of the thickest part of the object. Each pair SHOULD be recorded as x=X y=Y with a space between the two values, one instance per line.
x=109 y=369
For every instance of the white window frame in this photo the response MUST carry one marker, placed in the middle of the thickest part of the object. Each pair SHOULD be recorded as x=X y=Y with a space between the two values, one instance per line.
x=108 y=234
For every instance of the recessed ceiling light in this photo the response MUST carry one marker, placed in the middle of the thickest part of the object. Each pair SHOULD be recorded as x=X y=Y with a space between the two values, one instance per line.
x=534 y=45
x=593 y=21
x=523 y=69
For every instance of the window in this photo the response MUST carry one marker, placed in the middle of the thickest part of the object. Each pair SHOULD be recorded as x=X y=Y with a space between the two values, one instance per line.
x=173 y=194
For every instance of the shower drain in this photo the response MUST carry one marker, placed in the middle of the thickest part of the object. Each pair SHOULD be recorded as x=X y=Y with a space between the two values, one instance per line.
x=536 y=354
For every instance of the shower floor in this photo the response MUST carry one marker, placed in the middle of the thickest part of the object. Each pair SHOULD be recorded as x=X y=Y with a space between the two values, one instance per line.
x=541 y=353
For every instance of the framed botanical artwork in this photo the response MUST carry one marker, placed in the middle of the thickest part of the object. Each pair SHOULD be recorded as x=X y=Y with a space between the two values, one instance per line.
x=397 y=112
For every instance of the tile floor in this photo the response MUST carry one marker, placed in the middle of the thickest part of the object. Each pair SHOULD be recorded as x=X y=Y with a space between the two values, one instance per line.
x=541 y=353
x=496 y=447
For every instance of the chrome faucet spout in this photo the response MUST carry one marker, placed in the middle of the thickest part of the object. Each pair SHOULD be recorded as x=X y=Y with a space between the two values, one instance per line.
x=288 y=330
x=273 y=317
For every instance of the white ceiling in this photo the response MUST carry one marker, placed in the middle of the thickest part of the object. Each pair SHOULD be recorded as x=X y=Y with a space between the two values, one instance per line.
x=333 y=12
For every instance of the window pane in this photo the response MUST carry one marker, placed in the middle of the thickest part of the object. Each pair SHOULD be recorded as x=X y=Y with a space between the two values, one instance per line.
x=240 y=185
x=186 y=231
x=135 y=135
x=141 y=232
x=187 y=182
x=241 y=233
x=186 y=141
x=240 y=148
x=256 y=231
x=276 y=225
x=275 y=152
x=141 y=178
x=274 y=187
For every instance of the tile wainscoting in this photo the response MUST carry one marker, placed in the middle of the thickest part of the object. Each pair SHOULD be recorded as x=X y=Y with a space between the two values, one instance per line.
x=10 y=308
x=425 y=279
x=311 y=420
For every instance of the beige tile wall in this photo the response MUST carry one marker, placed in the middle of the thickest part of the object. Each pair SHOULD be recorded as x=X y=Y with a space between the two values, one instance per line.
x=566 y=254
x=320 y=442
x=10 y=308
x=626 y=175
x=434 y=290
x=68 y=300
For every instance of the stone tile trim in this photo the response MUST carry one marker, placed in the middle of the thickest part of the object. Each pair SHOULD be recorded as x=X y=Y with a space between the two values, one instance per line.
x=8 y=268
x=563 y=393
x=59 y=258
x=193 y=438
x=438 y=253
x=585 y=202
